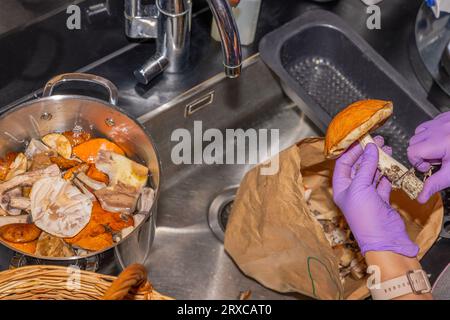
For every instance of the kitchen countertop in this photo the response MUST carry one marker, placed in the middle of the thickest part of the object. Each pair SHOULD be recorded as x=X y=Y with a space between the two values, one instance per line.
x=393 y=42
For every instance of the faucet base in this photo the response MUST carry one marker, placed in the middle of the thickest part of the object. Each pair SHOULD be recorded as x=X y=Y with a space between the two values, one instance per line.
x=170 y=22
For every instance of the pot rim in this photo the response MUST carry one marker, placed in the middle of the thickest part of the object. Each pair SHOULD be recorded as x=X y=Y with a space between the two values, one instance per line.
x=150 y=213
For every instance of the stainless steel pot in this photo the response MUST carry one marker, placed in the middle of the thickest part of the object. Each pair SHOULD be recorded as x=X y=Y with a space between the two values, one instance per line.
x=58 y=113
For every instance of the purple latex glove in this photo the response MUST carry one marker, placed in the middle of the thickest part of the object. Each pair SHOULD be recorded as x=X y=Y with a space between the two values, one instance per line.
x=374 y=223
x=431 y=145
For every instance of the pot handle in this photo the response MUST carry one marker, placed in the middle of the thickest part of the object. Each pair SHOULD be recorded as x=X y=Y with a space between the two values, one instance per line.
x=83 y=77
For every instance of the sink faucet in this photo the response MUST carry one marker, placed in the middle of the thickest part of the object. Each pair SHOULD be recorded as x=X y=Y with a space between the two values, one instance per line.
x=169 y=21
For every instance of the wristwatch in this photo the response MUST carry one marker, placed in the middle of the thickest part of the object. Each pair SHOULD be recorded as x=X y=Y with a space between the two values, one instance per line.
x=415 y=281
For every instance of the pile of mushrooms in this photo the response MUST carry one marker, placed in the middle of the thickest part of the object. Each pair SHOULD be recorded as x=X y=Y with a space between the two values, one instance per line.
x=68 y=194
x=340 y=238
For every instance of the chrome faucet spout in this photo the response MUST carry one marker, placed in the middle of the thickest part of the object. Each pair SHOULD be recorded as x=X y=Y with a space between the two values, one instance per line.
x=231 y=45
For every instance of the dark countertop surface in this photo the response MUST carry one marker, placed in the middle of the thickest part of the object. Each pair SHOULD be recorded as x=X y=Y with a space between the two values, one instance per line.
x=392 y=42
x=45 y=49
x=115 y=58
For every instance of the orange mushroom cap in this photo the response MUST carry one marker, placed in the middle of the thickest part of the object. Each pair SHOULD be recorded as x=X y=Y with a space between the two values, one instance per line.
x=354 y=122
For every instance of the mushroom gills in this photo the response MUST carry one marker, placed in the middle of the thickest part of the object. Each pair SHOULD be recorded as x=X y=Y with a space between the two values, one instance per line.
x=58 y=207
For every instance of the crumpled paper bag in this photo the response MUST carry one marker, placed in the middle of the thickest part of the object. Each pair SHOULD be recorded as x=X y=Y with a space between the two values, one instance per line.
x=274 y=238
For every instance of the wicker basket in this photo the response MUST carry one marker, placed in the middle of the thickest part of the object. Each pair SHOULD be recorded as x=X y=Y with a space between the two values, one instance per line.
x=65 y=283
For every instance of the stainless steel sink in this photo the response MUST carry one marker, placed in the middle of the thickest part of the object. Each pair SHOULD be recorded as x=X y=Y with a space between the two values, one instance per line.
x=187 y=260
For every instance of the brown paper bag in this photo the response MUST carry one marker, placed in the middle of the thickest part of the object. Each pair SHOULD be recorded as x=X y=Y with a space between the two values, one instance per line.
x=274 y=238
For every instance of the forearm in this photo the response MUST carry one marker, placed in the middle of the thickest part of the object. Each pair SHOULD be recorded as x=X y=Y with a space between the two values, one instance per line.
x=393 y=265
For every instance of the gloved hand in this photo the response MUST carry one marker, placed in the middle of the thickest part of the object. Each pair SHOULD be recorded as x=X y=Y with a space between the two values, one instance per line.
x=374 y=223
x=431 y=145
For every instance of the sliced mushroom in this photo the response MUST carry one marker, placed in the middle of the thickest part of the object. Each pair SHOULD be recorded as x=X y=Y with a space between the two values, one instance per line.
x=59 y=143
x=51 y=246
x=35 y=147
x=81 y=252
x=64 y=163
x=18 y=166
x=344 y=254
x=91 y=183
x=70 y=174
x=83 y=189
x=26 y=247
x=22 y=203
x=345 y=248
x=146 y=199
x=328 y=215
x=40 y=161
x=58 y=207
x=4 y=220
x=6 y=199
x=358 y=268
x=333 y=233
x=339 y=236
x=28 y=178
x=118 y=198
x=77 y=137
x=343 y=273
x=121 y=169
x=20 y=232
x=5 y=164
x=98 y=234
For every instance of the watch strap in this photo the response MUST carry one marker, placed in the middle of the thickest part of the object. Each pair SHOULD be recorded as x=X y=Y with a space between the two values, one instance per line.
x=415 y=281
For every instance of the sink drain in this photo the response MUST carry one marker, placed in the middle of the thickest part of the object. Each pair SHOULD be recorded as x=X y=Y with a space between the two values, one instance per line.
x=224 y=214
x=219 y=211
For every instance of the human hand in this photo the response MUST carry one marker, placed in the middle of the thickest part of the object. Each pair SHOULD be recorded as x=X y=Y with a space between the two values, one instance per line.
x=431 y=145
x=374 y=223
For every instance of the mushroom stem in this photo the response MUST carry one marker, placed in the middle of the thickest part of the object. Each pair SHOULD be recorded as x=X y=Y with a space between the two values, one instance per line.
x=399 y=176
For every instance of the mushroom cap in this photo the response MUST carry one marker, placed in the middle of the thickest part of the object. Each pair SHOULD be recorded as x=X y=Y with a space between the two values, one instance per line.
x=354 y=122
